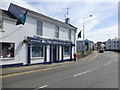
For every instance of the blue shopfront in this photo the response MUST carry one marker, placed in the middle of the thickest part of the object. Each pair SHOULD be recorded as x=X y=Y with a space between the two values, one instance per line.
x=38 y=47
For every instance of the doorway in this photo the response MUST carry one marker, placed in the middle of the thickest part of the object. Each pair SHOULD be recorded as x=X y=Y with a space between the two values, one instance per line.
x=54 y=53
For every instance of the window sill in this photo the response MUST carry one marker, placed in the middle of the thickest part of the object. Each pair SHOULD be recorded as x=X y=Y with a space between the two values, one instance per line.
x=37 y=58
x=41 y=36
x=7 y=58
x=66 y=55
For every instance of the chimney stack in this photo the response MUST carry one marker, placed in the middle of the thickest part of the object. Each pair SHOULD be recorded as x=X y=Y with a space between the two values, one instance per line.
x=67 y=20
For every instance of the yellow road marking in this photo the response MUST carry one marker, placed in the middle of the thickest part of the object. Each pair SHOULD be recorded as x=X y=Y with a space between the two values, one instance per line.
x=91 y=58
x=15 y=74
x=31 y=66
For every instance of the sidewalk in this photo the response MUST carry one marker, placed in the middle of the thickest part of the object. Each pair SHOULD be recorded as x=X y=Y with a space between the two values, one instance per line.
x=12 y=70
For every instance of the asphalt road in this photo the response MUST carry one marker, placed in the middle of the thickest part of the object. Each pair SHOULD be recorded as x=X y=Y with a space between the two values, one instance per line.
x=101 y=72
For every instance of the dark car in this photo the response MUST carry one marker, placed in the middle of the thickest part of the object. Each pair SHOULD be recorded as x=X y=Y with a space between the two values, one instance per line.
x=101 y=51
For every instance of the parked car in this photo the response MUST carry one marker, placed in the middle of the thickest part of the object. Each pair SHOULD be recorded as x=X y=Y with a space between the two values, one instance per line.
x=101 y=51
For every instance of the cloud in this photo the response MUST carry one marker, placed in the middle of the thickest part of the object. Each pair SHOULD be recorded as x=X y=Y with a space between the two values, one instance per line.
x=100 y=14
x=69 y=0
x=101 y=10
x=4 y=4
x=102 y=34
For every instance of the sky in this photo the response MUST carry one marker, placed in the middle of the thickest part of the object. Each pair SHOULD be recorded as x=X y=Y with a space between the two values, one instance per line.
x=103 y=24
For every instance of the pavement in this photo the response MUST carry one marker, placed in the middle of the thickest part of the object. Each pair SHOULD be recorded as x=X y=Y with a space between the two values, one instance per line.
x=12 y=70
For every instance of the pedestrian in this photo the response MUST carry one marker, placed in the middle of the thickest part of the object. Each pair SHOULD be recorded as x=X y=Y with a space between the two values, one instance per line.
x=75 y=56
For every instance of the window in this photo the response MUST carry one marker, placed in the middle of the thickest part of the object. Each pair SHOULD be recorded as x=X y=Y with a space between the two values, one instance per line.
x=7 y=50
x=37 y=50
x=69 y=34
x=66 y=50
x=57 y=32
x=39 y=28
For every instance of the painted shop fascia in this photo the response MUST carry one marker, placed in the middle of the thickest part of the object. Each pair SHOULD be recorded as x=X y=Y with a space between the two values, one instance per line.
x=41 y=40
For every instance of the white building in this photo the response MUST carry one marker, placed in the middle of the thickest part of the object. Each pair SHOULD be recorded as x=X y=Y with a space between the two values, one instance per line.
x=41 y=40
x=113 y=44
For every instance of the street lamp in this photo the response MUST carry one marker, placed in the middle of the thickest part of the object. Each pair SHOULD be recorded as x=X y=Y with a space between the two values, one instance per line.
x=84 y=32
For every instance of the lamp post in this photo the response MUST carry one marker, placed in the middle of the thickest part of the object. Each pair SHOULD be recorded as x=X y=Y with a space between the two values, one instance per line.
x=84 y=32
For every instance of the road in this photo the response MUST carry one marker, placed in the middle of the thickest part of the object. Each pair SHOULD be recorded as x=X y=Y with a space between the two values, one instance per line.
x=101 y=72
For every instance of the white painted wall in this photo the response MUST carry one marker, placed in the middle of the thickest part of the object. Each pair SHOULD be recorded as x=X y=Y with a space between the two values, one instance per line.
x=63 y=33
x=48 y=30
x=10 y=34
x=16 y=34
x=48 y=53
x=30 y=27
x=110 y=45
x=60 y=49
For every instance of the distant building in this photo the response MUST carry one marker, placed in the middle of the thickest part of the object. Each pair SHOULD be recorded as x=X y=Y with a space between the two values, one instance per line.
x=113 y=44
x=88 y=45
x=41 y=40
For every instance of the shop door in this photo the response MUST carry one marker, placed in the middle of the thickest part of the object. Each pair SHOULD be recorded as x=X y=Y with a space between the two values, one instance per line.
x=54 y=54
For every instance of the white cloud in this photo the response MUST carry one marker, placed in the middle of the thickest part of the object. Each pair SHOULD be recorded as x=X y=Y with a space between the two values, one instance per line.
x=4 y=4
x=69 y=0
x=78 y=10
x=100 y=13
x=102 y=34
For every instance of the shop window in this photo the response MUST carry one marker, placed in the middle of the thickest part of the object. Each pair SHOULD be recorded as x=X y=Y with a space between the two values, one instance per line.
x=37 y=50
x=7 y=50
x=39 y=28
x=66 y=50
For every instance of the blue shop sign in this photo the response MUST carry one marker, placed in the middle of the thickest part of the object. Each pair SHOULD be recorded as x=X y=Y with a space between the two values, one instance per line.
x=32 y=40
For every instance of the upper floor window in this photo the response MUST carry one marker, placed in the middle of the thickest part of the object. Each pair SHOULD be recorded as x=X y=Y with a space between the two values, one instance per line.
x=69 y=34
x=57 y=32
x=39 y=28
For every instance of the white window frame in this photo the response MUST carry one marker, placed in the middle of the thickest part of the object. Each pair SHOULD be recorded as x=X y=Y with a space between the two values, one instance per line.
x=69 y=34
x=57 y=29
x=39 y=28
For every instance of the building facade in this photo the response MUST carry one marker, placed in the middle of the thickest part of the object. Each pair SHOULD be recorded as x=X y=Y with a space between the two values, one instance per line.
x=88 y=45
x=41 y=40
x=113 y=44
